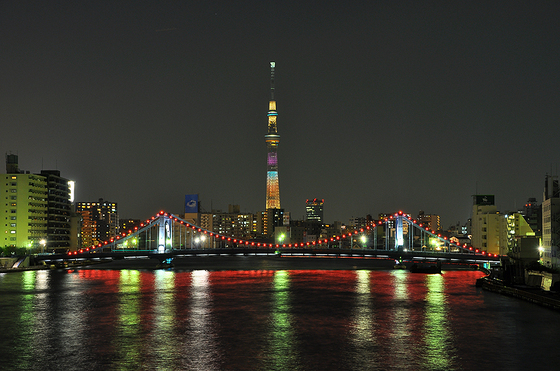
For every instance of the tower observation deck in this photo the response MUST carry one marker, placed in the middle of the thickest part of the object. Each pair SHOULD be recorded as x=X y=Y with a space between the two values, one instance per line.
x=272 y=140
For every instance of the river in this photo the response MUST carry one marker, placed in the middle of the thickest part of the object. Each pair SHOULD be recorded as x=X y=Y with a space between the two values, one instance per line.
x=267 y=319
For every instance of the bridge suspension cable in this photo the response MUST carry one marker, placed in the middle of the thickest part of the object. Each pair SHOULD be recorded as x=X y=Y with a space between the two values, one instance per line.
x=165 y=232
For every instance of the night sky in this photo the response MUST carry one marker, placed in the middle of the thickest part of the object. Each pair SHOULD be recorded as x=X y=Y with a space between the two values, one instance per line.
x=383 y=105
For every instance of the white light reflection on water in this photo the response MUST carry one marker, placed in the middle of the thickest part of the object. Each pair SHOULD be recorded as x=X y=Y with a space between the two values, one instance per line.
x=43 y=324
x=163 y=344
x=402 y=335
x=363 y=334
x=68 y=320
x=200 y=349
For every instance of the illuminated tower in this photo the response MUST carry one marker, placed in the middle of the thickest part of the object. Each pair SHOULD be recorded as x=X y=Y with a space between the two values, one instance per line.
x=272 y=139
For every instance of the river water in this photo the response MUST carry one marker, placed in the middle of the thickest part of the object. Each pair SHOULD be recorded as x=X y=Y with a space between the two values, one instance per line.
x=305 y=319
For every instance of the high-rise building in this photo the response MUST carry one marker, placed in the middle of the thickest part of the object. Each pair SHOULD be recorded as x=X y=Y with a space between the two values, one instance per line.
x=551 y=223
x=100 y=221
x=129 y=225
x=59 y=210
x=314 y=210
x=233 y=223
x=36 y=209
x=432 y=221
x=489 y=227
x=272 y=140
x=532 y=214
x=24 y=210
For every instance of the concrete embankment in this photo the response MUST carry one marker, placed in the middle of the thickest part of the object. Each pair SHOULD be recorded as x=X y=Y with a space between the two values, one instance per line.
x=535 y=295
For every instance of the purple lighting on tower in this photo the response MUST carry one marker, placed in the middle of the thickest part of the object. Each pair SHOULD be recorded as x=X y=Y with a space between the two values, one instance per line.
x=272 y=159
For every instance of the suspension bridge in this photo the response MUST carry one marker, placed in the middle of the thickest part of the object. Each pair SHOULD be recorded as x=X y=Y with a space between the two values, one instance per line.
x=166 y=236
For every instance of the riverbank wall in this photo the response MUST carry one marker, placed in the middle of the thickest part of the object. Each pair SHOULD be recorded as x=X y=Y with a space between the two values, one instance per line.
x=535 y=295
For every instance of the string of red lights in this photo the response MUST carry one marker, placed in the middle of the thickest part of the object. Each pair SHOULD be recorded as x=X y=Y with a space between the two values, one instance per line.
x=326 y=241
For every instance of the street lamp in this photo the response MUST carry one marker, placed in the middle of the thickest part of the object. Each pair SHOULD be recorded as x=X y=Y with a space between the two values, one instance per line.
x=43 y=242
x=364 y=241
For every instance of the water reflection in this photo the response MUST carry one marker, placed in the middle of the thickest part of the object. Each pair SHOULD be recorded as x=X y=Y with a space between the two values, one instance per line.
x=282 y=347
x=402 y=324
x=163 y=341
x=26 y=320
x=363 y=335
x=200 y=346
x=437 y=332
x=128 y=336
x=275 y=320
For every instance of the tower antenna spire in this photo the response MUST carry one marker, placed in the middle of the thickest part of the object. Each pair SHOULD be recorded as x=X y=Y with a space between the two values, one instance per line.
x=272 y=67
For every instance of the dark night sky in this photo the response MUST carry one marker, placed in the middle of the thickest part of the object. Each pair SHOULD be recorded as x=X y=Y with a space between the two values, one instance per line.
x=383 y=105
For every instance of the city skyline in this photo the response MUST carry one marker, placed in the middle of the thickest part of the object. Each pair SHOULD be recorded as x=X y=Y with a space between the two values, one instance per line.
x=384 y=106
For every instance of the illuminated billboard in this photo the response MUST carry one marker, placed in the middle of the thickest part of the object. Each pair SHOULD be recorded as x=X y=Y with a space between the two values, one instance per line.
x=484 y=200
x=191 y=204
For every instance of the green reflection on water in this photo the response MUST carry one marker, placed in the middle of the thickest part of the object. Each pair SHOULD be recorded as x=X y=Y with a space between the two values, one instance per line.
x=26 y=320
x=437 y=335
x=164 y=342
x=128 y=342
x=283 y=347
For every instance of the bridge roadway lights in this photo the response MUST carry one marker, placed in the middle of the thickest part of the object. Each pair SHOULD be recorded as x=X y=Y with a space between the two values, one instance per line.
x=166 y=258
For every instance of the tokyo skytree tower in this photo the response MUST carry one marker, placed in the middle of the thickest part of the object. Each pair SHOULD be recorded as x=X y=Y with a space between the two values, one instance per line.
x=272 y=139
